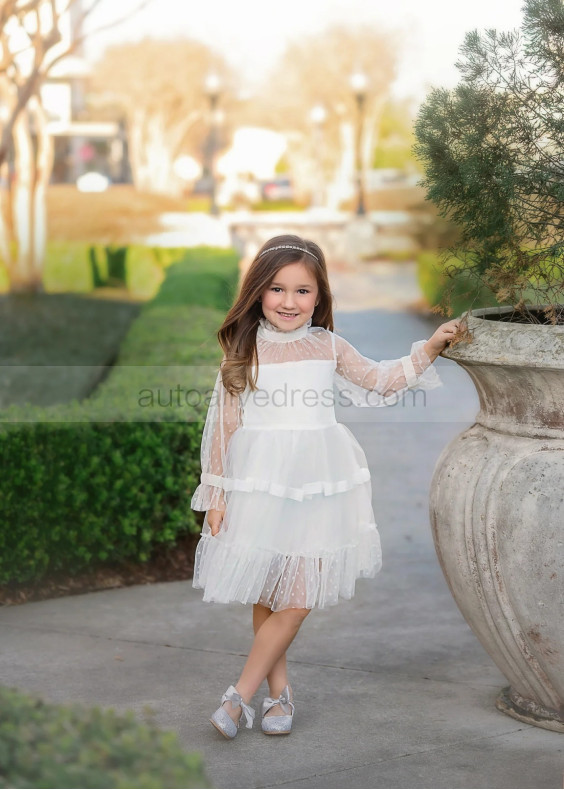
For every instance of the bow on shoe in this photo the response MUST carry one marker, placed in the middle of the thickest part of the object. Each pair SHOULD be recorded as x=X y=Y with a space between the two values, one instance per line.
x=283 y=700
x=236 y=699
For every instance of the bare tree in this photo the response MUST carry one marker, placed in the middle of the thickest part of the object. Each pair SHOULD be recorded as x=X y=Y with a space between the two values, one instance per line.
x=317 y=70
x=31 y=43
x=159 y=87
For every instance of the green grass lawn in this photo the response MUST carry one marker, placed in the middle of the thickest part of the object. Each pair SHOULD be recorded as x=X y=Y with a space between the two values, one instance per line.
x=55 y=347
x=58 y=347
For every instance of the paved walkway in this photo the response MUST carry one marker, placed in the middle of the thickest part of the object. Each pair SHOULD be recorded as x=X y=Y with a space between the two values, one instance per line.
x=190 y=229
x=392 y=689
x=378 y=285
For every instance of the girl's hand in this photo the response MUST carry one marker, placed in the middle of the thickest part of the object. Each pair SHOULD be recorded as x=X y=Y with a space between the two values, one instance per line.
x=441 y=338
x=215 y=517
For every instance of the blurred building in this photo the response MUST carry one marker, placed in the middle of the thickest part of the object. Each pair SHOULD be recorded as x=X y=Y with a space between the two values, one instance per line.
x=81 y=144
x=248 y=163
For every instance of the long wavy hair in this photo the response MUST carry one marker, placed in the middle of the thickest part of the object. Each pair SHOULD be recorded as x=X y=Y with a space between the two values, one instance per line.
x=237 y=334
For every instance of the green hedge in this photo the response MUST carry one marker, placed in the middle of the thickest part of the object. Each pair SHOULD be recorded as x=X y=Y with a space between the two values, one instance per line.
x=434 y=284
x=108 y=479
x=56 y=746
x=80 y=495
x=79 y=267
x=464 y=295
x=68 y=267
x=213 y=280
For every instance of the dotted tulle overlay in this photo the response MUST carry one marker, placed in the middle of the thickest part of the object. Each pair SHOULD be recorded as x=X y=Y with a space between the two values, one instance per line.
x=298 y=527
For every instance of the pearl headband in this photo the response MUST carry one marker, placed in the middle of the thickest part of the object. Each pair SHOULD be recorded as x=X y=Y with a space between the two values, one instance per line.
x=289 y=247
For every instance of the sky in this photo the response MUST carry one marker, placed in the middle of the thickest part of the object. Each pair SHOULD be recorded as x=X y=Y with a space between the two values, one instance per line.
x=251 y=34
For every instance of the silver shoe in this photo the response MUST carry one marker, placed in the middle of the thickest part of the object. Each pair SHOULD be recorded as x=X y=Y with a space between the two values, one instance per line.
x=223 y=722
x=278 y=725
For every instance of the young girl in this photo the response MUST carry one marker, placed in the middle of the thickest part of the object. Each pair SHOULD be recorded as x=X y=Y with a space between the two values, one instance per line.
x=289 y=523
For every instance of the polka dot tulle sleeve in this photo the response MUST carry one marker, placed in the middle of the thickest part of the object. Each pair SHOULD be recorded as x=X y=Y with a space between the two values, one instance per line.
x=223 y=418
x=365 y=382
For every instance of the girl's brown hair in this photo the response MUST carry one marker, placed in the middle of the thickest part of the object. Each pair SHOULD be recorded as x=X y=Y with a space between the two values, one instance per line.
x=237 y=334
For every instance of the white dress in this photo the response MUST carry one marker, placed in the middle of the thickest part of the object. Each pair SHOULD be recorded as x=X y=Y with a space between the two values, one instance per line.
x=298 y=527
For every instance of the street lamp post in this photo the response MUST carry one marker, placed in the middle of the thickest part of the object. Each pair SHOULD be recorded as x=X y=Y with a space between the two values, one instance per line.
x=213 y=90
x=318 y=116
x=359 y=84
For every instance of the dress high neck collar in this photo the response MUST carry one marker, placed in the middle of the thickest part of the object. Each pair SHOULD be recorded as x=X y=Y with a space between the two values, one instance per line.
x=268 y=331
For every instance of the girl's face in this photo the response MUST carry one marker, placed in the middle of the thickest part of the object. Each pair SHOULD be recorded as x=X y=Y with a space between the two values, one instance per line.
x=289 y=300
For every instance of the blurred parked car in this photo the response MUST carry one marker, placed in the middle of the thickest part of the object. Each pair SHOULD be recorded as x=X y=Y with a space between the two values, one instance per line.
x=277 y=189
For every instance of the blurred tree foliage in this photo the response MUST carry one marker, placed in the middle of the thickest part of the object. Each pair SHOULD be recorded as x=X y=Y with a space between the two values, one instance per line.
x=315 y=70
x=394 y=147
x=32 y=44
x=158 y=87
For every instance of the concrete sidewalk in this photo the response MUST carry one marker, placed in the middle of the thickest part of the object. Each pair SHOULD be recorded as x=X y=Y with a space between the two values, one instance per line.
x=391 y=688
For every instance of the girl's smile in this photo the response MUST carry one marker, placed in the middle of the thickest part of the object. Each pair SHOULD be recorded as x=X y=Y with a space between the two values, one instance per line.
x=289 y=301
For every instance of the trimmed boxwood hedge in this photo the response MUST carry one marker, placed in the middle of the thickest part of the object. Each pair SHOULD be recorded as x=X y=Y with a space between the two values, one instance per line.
x=435 y=284
x=464 y=292
x=68 y=746
x=102 y=479
x=74 y=495
x=79 y=267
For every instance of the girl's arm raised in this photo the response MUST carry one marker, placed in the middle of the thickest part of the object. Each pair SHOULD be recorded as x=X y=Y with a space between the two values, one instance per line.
x=441 y=338
x=366 y=382
x=223 y=418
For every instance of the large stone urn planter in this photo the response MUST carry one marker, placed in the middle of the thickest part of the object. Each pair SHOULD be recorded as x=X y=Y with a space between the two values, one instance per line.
x=497 y=510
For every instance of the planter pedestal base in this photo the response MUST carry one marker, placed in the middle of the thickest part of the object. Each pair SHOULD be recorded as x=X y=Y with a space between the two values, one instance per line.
x=514 y=705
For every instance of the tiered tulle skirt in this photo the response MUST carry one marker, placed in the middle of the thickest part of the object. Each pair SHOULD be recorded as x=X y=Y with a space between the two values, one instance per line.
x=299 y=528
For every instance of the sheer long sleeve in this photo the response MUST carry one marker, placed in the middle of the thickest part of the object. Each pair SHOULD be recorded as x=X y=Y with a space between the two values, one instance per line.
x=223 y=418
x=365 y=382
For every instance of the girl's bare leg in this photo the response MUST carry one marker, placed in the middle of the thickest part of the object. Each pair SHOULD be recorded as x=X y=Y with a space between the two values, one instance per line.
x=273 y=637
x=278 y=676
